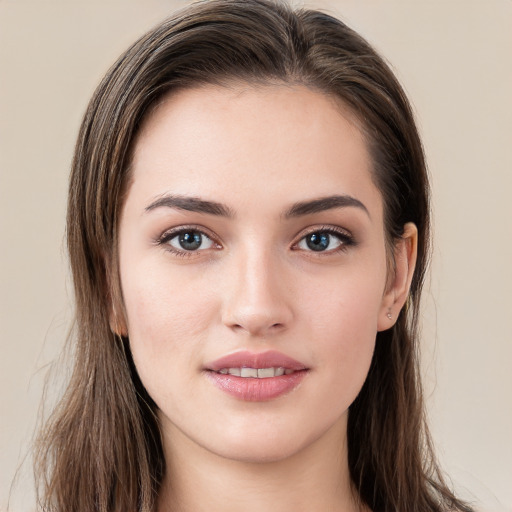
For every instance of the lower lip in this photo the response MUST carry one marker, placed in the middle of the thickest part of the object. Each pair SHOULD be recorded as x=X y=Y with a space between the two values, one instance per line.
x=256 y=390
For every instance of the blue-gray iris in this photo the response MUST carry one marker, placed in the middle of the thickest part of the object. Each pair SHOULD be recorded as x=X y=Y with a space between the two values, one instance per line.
x=190 y=240
x=318 y=241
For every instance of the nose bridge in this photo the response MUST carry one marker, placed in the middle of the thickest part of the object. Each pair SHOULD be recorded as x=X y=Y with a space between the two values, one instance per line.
x=257 y=301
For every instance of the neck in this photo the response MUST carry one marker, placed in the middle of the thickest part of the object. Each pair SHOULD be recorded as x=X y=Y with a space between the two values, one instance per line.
x=314 y=479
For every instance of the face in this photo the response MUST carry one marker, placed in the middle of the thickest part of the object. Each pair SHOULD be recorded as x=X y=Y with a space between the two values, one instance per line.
x=253 y=268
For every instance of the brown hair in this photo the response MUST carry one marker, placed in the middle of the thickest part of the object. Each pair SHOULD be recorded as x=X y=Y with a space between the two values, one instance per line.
x=101 y=450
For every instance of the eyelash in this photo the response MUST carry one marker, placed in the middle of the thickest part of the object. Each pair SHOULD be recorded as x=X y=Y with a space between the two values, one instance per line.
x=345 y=238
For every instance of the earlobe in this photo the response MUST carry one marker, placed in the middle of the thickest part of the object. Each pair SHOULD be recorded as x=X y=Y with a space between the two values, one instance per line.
x=116 y=315
x=117 y=323
x=405 y=254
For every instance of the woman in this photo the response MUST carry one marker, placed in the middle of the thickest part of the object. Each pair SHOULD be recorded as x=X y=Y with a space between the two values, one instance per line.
x=248 y=231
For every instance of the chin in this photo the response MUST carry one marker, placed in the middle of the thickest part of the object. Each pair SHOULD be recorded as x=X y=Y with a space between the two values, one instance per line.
x=262 y=453
x=264 y=445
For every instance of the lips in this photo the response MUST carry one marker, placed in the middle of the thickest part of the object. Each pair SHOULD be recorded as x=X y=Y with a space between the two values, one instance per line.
x=256 y=377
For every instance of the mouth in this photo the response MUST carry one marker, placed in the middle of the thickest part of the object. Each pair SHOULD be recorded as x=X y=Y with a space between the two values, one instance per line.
x=256 y=377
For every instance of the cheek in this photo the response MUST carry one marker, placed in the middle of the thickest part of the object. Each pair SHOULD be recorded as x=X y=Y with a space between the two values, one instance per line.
x=344 y=323
x=348 y=304
x=164 y=320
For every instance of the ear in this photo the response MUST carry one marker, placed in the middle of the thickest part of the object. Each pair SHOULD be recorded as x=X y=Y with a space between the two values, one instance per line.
x=117 y=321
x=116 y=315
x=399 y=283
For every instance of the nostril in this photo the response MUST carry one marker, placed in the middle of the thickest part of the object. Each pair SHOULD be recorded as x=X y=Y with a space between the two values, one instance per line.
x=257 y=328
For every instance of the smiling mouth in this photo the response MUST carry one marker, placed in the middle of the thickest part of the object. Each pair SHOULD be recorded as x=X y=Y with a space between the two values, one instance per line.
x=256 y=373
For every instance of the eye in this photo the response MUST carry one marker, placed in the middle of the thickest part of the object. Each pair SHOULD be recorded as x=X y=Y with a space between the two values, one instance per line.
x=188 y=240
x=324 y=241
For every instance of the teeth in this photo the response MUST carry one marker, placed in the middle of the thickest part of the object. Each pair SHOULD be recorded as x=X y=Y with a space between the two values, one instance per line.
x=263 y=373
x=248 y=372
x=256 y=373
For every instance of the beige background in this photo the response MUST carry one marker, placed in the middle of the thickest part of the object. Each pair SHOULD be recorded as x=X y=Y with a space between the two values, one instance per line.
x=454 y=58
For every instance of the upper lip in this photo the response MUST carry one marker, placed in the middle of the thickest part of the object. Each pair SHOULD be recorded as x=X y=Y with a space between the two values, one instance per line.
x=246 y=359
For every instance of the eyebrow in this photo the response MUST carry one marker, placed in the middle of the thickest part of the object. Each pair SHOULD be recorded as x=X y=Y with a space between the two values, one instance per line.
x=191 y=204
x=323 y=204
x=299 y=209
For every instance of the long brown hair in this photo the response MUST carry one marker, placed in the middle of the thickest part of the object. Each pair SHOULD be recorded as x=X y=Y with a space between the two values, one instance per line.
x=101 y=449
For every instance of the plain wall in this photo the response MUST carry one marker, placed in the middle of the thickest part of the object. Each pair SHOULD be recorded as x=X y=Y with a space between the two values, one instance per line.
x=454 y=58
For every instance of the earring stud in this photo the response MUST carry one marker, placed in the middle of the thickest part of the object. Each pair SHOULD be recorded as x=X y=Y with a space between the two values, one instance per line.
x=389 y=315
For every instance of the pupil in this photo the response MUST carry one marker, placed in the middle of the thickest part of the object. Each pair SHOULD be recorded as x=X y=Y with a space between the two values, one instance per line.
x=190 y=241
x=318 y=241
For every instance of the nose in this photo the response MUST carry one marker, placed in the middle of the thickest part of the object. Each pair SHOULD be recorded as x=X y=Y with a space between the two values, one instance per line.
x=257 y=298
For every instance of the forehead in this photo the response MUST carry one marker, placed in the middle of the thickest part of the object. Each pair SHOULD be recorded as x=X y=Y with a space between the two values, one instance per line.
x=262 y=143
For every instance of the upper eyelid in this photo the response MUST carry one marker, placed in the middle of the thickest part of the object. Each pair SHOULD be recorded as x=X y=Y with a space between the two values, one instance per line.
x=323 y=227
